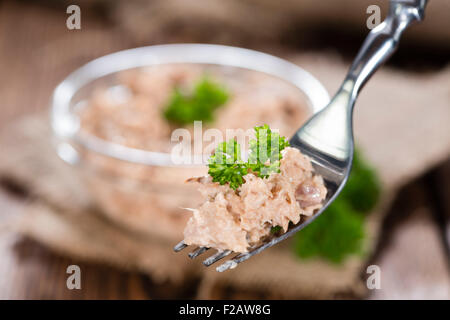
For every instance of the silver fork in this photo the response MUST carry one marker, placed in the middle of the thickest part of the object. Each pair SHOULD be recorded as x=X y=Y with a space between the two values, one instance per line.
x=327 y=138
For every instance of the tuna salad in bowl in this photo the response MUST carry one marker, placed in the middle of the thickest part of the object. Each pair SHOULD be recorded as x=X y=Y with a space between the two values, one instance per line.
x=116 y=121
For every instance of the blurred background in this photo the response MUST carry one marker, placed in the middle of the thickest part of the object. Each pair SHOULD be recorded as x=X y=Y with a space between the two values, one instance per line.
x=401 y=126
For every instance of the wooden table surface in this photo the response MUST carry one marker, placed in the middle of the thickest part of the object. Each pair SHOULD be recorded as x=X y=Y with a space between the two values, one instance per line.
x=412 y=245
x=36 y=52
x=35 y=55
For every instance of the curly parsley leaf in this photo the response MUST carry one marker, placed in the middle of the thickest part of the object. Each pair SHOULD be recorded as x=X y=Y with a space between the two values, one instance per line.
x=363 y=187
x=265 y=151
x=200 y=105
x=226 y=165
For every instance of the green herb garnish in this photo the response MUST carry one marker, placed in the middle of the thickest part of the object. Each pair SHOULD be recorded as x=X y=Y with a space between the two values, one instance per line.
x=363 y=188
x=200 y=105
x=265 y=151
x=275 y=229
x=339 y=231
x=336 y=233
x=226 y=165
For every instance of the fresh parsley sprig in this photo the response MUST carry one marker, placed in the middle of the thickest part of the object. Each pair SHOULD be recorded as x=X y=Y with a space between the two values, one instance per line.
x=265 y=151
x=227 y=166
x=200 y=105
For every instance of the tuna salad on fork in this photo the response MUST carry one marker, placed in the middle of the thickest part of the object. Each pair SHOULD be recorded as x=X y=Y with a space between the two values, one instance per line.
x=246 y=201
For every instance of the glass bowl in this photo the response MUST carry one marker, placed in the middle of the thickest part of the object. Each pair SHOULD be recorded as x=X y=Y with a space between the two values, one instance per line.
x=140 y=189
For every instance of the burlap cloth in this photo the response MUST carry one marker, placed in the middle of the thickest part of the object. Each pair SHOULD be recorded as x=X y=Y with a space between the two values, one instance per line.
x=401 y=124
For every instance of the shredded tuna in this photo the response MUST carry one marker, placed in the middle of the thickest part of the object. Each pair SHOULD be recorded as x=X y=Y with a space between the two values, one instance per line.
x=237 y=220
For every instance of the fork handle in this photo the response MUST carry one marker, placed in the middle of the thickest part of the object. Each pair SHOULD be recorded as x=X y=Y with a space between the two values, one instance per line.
x=331 y=130
x=383 y=40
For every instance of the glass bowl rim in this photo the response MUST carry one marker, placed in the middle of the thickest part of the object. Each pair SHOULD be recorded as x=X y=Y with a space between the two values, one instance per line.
x=65 y=125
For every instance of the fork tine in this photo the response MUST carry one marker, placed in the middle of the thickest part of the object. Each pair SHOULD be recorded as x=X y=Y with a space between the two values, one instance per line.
x=232 y=263
x=197 y=252
x=216 y=257
x=180 y=246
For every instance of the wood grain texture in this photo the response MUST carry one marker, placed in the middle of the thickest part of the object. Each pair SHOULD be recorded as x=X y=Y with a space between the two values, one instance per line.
x=30 y=271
